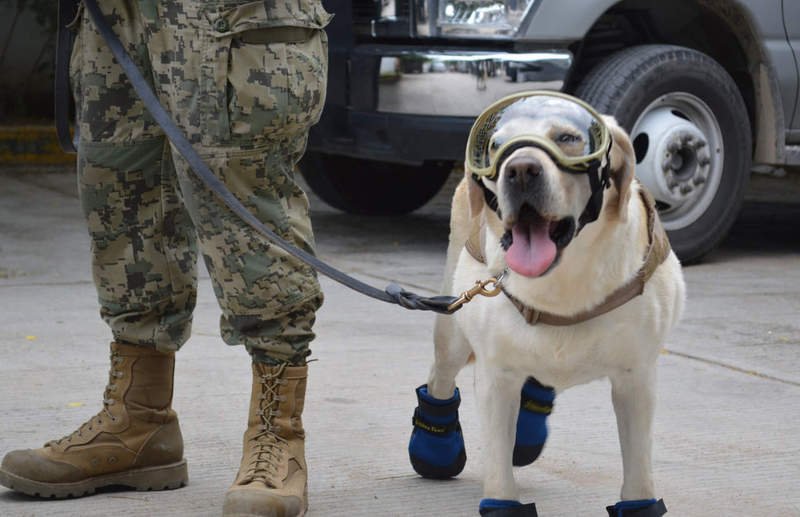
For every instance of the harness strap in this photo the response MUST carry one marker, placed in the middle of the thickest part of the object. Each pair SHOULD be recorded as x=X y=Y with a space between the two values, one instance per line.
x=619 y=297
x=474 y=244
x=657 y=251
x=392 y=294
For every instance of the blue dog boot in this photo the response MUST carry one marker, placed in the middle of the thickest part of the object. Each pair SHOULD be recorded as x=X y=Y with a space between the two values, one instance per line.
x=506 y=508
x=638 y=508
x=536 y=403
x=436 y=447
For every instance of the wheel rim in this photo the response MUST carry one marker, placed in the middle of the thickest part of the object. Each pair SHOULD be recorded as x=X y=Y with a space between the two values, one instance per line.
x=679 y=156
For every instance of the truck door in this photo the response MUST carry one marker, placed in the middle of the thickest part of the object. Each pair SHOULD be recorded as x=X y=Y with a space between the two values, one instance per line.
x=791 y=22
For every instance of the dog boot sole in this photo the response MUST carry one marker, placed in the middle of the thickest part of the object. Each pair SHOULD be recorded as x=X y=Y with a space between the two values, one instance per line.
x=526 y=454
x=429 y=471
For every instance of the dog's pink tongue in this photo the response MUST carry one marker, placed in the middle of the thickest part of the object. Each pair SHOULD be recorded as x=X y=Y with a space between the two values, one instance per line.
x=531 y=251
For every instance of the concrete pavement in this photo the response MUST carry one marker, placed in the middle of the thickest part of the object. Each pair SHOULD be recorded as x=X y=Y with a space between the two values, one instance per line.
x=727 y=433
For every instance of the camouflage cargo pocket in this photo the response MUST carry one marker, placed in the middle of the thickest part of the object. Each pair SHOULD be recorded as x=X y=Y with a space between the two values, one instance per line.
x=276 y=68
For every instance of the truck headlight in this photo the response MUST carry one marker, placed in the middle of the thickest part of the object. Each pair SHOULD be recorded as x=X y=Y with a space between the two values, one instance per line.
x=481 y=18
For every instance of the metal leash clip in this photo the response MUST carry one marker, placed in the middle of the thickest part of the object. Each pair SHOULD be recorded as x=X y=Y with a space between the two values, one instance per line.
x=479 y=289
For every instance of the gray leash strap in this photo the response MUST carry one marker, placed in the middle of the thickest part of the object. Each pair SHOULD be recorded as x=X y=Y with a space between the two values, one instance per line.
x=392 y=294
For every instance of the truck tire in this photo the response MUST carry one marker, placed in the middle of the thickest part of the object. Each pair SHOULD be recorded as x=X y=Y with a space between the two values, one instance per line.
x=368 y=187
x=691 y=132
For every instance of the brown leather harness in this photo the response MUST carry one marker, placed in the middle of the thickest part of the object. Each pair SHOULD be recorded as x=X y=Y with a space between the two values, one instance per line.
x=658 y=249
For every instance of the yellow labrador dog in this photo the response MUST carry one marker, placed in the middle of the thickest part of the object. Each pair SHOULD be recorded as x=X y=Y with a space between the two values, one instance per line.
x=549 y=207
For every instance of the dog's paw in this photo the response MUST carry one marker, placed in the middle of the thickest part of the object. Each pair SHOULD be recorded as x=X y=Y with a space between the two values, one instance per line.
x=638 y=508
x=436 y=448
x=506 y=508
x=535 y=405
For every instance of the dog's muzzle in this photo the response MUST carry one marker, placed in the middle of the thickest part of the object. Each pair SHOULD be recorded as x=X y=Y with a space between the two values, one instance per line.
x=533 y=243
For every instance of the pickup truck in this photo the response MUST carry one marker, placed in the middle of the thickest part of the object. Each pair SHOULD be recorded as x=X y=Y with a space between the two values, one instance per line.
x=708 y=90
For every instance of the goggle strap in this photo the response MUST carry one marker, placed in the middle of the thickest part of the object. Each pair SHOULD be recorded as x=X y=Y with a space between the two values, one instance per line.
x=599 y=181
x=488 y=195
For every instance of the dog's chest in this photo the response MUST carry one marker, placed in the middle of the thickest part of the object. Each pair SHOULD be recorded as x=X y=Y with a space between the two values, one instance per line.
x=557 y=356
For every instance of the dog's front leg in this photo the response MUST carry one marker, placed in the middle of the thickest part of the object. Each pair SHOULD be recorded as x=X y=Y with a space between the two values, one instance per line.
x=498 y=394
x=633 y=394
x=436 y=448
x=452 y=352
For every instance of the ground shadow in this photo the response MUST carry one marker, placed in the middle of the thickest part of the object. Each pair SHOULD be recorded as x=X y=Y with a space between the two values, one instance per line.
x=761 y=229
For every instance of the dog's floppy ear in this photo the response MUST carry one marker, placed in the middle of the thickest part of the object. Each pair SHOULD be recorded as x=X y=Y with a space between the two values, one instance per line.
x=475 y=195
x=622 y=170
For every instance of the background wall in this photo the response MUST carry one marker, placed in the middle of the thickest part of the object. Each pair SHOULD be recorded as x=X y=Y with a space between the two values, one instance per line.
x=27 y=46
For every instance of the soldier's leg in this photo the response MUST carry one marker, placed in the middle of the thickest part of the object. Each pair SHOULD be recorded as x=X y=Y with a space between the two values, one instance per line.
x=143 y=250
x=268 y=298
x=268 y=302
x=246 y=103
x=143 y=263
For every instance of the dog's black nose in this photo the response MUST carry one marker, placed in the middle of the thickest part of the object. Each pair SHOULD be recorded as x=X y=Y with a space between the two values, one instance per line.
x=523 y=170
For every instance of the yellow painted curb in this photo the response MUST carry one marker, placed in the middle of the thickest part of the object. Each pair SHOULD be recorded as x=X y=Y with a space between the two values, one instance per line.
x=31 y=145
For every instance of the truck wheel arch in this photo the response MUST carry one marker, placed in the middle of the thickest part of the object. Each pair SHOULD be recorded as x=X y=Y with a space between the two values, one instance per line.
x=750 y=66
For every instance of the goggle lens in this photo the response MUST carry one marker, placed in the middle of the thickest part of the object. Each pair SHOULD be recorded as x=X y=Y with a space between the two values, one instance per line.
x=565 y=127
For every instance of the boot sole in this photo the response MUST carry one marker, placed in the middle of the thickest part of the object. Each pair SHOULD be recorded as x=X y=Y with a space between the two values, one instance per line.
x=163 y=477
x=233 y=513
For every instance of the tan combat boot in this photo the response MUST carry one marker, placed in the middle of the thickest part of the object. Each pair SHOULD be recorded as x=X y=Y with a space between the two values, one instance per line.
x=133 y=441
x=272 y=479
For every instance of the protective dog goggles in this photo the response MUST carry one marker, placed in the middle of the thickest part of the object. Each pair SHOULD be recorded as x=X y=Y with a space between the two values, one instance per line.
x=566 y=128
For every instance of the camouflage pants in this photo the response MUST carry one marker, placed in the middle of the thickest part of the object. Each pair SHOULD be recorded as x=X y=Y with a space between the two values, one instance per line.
x=246 y=102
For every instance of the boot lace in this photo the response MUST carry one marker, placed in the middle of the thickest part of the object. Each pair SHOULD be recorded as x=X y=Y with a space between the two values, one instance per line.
x=108 y=401
x=268 y=447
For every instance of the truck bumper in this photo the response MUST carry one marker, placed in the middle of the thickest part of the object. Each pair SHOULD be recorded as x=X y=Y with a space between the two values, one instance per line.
x=411 y=105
